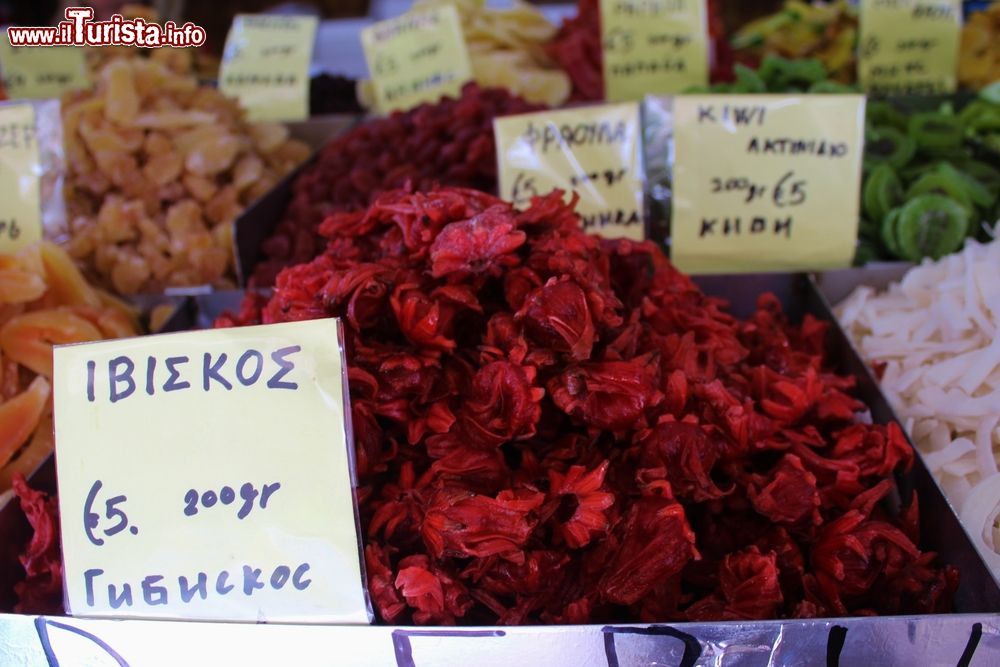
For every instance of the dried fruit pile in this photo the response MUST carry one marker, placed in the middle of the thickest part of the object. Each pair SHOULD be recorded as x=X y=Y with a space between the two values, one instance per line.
x=448 y=143
x=577 y=49
x=555 y=428
x=158 y=169
x=44 y=301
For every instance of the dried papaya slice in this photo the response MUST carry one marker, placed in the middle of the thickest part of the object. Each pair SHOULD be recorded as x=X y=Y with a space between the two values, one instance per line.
x=31 y=455
x=20 y=286
x=28 y=338
x=20 y=415
x=66 y=284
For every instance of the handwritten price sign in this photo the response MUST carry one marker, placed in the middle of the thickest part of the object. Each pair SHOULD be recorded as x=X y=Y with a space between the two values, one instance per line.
x=653 y=46
x=593 y=151
x=20 y=171
x=265 y=65
x=36 y=72
x=784 y=197
x=211 y=477
x=909 y=46
x=417 y=57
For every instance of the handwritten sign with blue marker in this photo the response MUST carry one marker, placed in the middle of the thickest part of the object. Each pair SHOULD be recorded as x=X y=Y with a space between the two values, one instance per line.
x=207 y=475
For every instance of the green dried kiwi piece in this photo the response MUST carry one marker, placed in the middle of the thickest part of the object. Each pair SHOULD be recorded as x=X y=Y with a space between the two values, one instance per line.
x=830 y=87
x=747 y=80
x=949 y=185
x=915 y=170
x=980 y=117
x=888 y=232
x=977 y=192
x=987 y=175
x=883 y=114
x=882 y=192
x=930 y=225
x=889 y=145
x=935 y=132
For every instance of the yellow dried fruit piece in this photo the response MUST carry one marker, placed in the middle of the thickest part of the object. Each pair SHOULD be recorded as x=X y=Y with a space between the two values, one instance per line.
x=65 y=282
x=213 y=156
x=129 y=275
x=247 y=171
x=224 y=206
x=173 y=119
x=20 y=416
x=184 y=217
x=28 y=338
x=20 y=286
x=163 y=168
x=33 y=455
x=159 y=316
x=268 y=136
x=199 y=187
x=121 y=99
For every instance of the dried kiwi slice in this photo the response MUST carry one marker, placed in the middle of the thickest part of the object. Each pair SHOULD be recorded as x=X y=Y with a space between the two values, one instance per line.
x=882 y=192
x=986 y=175
x=977 y=192
x=747 y=80
x=883 y=114
x=935 y=132
x=890 y=146
x=948 y=184
x=888 y=232
x=930 y=226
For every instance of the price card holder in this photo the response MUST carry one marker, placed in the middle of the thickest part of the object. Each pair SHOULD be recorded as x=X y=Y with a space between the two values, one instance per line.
x=653 y=47
x=591 y=150
x=20 y=173
x=417 y=57
x=781 y=192
x=209 y=475
x=265 y=65
x=36 y=72
x=909 y=46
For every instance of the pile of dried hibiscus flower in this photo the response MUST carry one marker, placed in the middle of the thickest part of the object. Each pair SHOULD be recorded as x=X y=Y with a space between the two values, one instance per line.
x=555 y=428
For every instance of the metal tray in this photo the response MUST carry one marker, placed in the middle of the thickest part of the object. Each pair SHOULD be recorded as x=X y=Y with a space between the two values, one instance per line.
x=971 y=636
x=256 y=223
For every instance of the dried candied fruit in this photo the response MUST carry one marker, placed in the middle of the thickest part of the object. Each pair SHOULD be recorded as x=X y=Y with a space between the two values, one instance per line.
x=44 y=301
x=448 y=143
x=158 y=169
x=555 y=428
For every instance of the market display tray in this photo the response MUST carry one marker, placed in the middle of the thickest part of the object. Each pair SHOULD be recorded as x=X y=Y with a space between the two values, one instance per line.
x=971 y=636
x=258 y=221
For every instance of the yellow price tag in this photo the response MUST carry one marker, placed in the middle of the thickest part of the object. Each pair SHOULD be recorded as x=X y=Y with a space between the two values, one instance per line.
x=591 y=150
x=653 y=47
x=909 y=46
x=417 y=57
x=20 y=171
x=207 y=475
x=779 y=188
x=35 y=72
x=265 y=65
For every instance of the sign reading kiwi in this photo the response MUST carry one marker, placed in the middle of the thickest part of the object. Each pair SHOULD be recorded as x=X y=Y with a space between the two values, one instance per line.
x=786 y=195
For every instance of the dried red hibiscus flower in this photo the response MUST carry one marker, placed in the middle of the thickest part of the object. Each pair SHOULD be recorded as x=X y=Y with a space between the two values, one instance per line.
x=555 y=428
x=41 y=591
